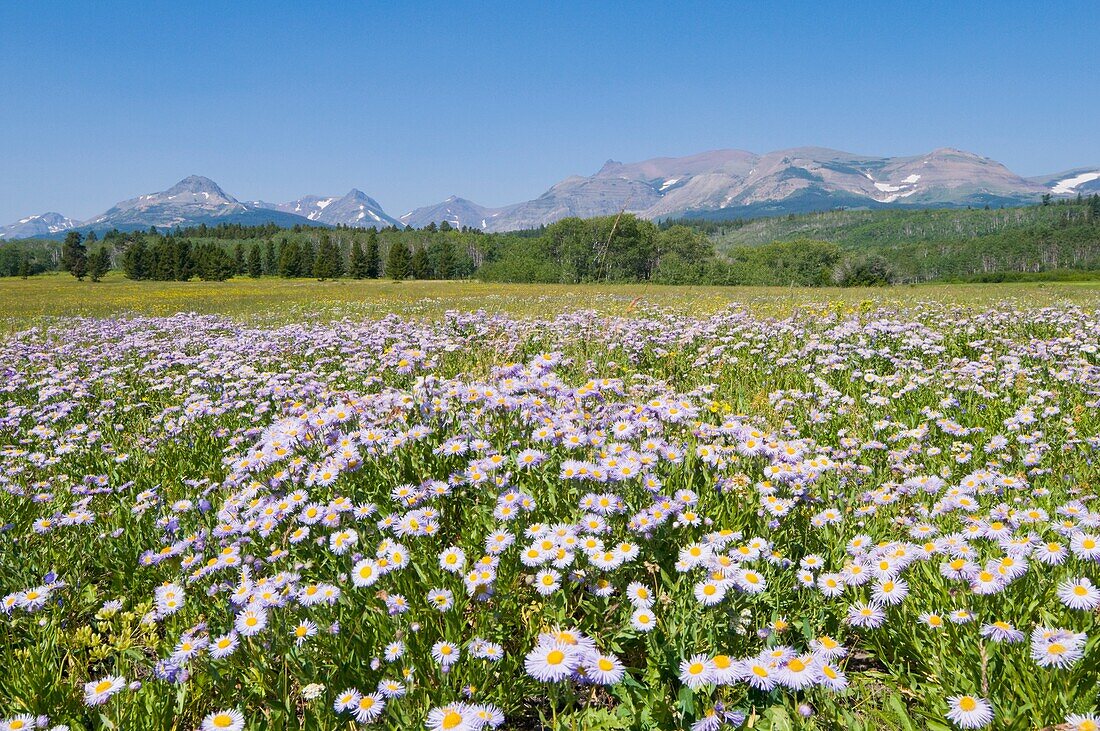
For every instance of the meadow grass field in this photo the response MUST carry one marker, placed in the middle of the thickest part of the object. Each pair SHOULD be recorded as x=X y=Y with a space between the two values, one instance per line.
x=283 y=504
x=24 y=301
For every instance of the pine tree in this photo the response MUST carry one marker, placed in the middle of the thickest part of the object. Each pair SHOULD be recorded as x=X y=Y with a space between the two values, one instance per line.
x=182 y=260
x=445 y=262
x=290 y=259
x=135 y=262
x=74 y=255
x=165 y=260
x=357 y=265
x=24 y=265
x=307 y=254
x=271 y=259
x=213 y=263
x=372 y=266
x=420 y=266
x=99 y=263
x=328 y=263
x=255 y=262
x=397 y=261
x=238 y=258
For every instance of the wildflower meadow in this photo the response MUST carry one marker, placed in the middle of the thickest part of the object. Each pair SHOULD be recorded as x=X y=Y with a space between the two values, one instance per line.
x=875 y=517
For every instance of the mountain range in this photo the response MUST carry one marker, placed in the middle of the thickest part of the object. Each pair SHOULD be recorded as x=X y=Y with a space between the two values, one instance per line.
x=714 y=184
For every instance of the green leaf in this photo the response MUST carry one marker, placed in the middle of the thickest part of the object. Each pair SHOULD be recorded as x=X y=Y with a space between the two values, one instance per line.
x=686 y=701
x=901 y=713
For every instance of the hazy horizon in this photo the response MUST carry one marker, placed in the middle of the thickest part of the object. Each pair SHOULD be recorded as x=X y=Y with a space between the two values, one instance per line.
x=494 y=103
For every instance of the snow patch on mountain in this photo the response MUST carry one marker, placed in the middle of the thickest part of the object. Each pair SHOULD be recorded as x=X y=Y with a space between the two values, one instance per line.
x=1066 y=187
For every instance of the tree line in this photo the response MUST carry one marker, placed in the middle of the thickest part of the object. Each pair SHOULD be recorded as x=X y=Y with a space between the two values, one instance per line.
x=986 y=245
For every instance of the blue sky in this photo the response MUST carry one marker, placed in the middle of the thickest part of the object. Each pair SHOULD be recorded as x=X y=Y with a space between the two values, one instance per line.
x=412 y=102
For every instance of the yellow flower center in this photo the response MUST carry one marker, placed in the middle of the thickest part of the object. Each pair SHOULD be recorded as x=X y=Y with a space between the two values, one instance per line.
x=556 y=657
x=967 y=703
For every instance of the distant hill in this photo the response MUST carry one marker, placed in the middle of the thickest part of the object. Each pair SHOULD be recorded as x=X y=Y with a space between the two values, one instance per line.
x=457 y=212
x=925 y=245
x=356 y=209
x=43 y=225
x=870 y=228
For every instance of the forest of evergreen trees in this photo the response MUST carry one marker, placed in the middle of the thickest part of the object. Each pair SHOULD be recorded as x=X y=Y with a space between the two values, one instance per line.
x=1056 y=240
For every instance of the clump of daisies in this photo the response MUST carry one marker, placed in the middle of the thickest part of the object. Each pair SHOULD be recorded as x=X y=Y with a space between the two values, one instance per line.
x=464 y=717
x=563 y=654
x=1057 y=648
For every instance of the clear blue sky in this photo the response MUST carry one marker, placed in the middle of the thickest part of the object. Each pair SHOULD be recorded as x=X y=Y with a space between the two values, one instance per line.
x=412 y=102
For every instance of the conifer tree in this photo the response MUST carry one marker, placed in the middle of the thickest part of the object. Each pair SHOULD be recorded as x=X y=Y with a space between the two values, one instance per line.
x=397 y=261
x=373 y=263
x=271 y=259
x=328 y=263
x=99 y=263
x=255 y=262
x=183 y=260
x=420 y=267
x=357 y=265
x=445 y=261
x=290 y=259
x=213 y=263
x=307 y=254
x=74 y=255
x=135 y=262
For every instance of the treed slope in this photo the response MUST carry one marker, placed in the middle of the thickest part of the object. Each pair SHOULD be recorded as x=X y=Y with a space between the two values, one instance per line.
x=863 y=229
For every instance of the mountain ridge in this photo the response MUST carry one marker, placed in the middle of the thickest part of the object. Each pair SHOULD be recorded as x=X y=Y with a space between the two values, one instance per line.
x=722 y=183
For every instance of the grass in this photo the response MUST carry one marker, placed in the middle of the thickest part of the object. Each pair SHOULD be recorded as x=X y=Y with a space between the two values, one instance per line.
x=28 y=302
